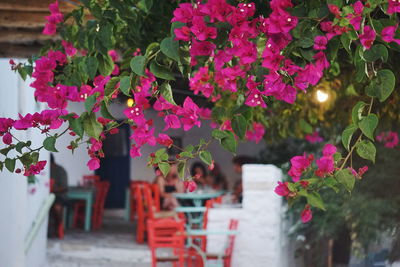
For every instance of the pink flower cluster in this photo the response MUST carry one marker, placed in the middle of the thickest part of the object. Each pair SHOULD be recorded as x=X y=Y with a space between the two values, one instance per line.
x=313 y=138
x=241 y=49
x=55 y=17
x=390 y=139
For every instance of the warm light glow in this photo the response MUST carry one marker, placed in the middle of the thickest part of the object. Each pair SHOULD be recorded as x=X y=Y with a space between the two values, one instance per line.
x=130 y=102
x=322 y=96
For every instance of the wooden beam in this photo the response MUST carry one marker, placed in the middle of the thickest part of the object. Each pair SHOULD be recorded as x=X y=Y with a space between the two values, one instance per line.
x=36 y=5
x=18 y=51
x=24 y=36
x=18 y=19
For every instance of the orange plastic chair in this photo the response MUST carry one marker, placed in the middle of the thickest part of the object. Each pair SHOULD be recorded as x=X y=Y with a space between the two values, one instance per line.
x=60 y=226
x=166 y=233
x=89 y=180
x=132 y=186
x=97 y=208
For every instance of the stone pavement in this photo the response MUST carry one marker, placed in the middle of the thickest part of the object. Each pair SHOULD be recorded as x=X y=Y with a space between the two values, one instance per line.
x=112 y=246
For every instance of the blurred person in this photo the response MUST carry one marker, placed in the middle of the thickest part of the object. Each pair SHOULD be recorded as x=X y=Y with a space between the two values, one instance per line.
x=199 y=174
x=158 y=174
x=59 y=189
x=238 y=163
x=217 y=179
x=169 y=185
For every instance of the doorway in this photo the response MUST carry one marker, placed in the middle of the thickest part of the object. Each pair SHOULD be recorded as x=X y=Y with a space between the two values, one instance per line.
x=115 y=166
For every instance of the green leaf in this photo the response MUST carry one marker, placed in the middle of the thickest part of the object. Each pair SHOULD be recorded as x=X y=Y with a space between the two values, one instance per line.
x=170 y=48
x=151 y=49
x=346 y=42
x=137 y=65
x=239 y=126
x=382 y=85
x=92 y=127
x=218 y=134
x=90 y=102
x=161 y=71
x=368 y=125
x=164 y=168
x=5 y=151
x=206 y=157
x=10 y=164
x=1 y=166
x=229 y=142
x=378 y=51
x=181 y=169
x=49 y=144
x=366 y=149
x=346 y=179
x=21 y=145
x=145 y=5
x=110 y=86
x=305 y=42
x=356 y=113
x=315 y=200
x=91 y=65
x=105 y=112
x=331 y=183
x=125 y=85
x=305 y=126
x=347 y=135
x=166 y=92
x=76 y=125
x=106 y=64
x=176 y=25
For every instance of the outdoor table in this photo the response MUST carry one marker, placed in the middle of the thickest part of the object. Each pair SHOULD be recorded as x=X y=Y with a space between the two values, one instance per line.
x=86 y=194
x=193 y=233
x=192 y=220
x=198 y=196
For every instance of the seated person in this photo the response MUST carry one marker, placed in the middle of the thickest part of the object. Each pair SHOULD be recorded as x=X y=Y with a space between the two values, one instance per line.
x=238 y=162
x=60 y=187
x=199 y=174
x=216 y=179
x=168 y=185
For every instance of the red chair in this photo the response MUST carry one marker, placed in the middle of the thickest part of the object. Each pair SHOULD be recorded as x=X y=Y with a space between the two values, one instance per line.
x=146 y=209
x=132 y=202
x=156 y=196
x=166 y=233
x=89 y=180
x=97 y=208
x=60 y=226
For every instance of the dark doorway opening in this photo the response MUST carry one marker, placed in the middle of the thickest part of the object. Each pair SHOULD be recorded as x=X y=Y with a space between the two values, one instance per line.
x=115 y=166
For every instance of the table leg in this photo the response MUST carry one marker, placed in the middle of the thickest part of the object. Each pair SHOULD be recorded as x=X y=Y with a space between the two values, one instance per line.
x=88 y=212
x=127 y=204
x=197 y=202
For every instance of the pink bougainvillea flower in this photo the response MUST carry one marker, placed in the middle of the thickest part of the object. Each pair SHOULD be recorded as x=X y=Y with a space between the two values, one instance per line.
x=281 y=189
x=182 y=33
x=356 y=22
x=306 y=214
x=201 y=31
x=320 y=42
x=24 y=122
x=358 y=7
x=390 y=139
x=200 y=82
x=254 y=99
x=142 y=136
x=368 y=37
x=164 y=140
x=257 y=133
x=202 y=48
x=114 y=55
x=299 y=165
x=171 y=121
x=93 y=164
x=35 y=168
x=95 y=145
x=329 y=150
x=325 y=165
x=388 y=34
x=394 y=7
x=5 y=125
x=7 y=139
x=69 y=48
x=189 y=113
x=135 y=152
x=49 y=29
x=162 y=104
x=313 y=138
x=334 y=9
x=190 y=185
x=184 y=13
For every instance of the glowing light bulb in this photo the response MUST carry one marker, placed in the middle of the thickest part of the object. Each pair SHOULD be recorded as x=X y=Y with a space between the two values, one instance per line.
x=130 y=102
x=322 y=96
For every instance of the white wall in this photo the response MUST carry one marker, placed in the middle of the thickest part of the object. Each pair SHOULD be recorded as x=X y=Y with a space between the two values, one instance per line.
x=18 y=203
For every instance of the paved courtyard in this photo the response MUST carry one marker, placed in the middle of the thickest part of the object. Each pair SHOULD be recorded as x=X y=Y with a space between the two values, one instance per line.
x=112 y=246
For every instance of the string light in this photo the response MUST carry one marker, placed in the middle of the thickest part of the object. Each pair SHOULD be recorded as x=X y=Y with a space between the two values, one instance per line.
x=130 y=102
